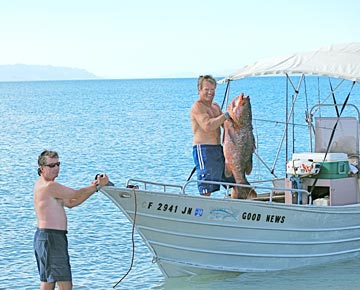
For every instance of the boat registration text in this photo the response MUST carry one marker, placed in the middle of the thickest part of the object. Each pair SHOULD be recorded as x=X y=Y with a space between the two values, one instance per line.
x=186 y=210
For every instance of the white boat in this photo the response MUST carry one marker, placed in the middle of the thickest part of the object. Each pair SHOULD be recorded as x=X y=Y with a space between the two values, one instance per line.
x=309 y=216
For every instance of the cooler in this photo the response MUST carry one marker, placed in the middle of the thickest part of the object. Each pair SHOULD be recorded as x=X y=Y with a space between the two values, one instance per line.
x=335 y=165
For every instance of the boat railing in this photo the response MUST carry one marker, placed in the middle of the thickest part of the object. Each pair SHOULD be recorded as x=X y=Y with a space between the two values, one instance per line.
x=315 y=107
x=165 y=186
x=169 y=188
x=269 y=189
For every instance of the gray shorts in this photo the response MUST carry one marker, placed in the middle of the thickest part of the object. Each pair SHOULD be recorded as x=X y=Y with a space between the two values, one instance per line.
x=52 y=257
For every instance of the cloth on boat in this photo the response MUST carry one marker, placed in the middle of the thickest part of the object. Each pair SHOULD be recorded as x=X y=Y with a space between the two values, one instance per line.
x=210 y=165
x=52 y=257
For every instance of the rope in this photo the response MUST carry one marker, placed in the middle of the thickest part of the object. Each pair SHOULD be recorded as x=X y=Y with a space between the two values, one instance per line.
x=334 y=99
x=226 y=95
x=132 y=241
x=306 y=95
x=333 y=133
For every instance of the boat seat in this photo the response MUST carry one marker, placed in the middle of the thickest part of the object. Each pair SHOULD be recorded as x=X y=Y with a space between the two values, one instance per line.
x=345 y=140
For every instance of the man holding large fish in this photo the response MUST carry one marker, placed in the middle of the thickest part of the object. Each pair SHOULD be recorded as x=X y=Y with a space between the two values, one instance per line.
x=208 y=153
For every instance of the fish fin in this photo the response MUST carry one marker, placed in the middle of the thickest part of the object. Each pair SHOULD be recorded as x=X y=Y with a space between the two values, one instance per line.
x=243 y=193
x=249 y=167
x=252 y=194
x=227 y=172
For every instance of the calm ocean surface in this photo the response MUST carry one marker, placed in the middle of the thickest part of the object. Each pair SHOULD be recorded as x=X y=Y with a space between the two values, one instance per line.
x=128 y=129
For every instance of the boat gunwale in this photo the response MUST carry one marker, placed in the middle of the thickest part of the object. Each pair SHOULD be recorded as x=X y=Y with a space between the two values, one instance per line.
x=333 y=209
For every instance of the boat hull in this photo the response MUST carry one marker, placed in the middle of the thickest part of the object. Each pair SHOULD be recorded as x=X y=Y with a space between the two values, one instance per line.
x=191 y=235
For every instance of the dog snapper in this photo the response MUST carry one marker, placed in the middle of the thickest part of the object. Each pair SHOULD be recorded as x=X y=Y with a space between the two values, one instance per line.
x=239 y=145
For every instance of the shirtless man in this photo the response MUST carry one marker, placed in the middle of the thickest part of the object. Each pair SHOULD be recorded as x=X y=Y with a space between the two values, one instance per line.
x=50 y=240
x=206 y=120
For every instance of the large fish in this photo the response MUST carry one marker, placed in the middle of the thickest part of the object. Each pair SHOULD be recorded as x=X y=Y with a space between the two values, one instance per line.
x=239 y=145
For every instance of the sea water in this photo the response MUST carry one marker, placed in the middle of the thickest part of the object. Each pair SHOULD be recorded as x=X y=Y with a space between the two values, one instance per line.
x=128 y=129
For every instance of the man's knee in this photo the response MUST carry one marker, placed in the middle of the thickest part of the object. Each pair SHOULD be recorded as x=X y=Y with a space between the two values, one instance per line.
x=47 y=286
x=64 y=285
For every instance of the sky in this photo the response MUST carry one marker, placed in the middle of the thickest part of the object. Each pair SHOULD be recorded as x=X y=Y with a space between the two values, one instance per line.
x=164 y=38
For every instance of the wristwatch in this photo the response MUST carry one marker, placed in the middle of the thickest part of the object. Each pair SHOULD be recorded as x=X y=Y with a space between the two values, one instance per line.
x=98 y=187
x=227 y=116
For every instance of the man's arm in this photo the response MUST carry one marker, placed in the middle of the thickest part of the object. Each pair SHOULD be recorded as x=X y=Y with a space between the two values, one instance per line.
x=74 y=197
x=207 y=124
x=82 y=195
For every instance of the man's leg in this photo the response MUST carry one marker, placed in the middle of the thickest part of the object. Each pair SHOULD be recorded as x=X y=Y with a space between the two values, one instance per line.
x=47 y=286
x=64 y=285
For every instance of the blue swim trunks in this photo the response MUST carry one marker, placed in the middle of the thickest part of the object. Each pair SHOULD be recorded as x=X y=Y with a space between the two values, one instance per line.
x=210 y=164
x=52 y=257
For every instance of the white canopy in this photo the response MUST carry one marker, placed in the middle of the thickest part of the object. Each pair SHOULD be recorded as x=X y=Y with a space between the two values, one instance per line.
x=338 y=61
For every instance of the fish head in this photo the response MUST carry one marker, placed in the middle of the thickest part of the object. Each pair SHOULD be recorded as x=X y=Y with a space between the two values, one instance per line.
x=240 y=109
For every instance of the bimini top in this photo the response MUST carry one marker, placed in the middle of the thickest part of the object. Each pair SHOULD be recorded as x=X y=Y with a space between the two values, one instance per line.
x=338 y=61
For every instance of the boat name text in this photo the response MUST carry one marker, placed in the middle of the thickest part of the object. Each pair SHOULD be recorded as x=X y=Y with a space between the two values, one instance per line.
x=257 y=217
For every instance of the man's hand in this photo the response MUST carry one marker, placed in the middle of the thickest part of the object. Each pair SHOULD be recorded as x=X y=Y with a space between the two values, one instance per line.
x=101 y=180
x=227 y=115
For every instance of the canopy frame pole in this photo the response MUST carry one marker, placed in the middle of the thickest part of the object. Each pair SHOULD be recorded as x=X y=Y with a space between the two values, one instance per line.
x=289 y=116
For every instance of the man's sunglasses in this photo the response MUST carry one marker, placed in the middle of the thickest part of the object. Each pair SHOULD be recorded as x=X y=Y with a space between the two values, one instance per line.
x=52 y=165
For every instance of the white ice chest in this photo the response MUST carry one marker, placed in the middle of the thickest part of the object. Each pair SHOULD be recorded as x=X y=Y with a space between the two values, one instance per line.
x=334 y=175
x=319 y=157
x=333 y=165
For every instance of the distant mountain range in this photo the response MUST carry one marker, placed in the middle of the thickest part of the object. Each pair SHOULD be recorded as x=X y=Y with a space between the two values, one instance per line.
x=24 y=72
